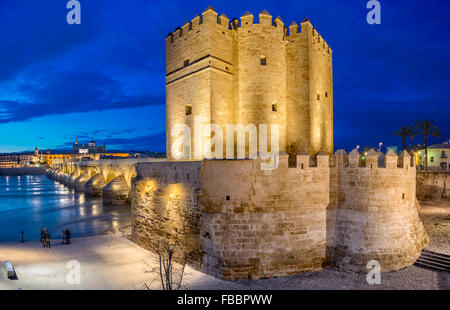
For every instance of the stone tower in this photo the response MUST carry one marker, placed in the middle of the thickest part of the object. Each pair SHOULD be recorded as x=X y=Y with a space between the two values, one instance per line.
x=248 y=72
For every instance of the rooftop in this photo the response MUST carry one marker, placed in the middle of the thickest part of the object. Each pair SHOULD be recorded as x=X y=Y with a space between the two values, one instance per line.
x=440 y=146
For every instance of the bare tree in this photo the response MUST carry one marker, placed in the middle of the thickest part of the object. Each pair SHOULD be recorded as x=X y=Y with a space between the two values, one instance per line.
x=172 y=259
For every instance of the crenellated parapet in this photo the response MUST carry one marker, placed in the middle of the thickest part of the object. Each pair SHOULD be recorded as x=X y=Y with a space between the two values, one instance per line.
x=210 y=17
x=198 y=23
x=373 y=160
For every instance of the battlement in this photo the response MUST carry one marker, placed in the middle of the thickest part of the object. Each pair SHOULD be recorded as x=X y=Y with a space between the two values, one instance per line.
x=206 y=19
x=210 y=16
x=318 y=40
x=373 y=160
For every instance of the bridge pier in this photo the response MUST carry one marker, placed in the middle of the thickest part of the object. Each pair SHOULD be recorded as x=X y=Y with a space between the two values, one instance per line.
x=116 y=192
x=79 y=183
x=66 y=179
x=73 y=177
x=59 y=177
x=53 y=174
x=95 y=185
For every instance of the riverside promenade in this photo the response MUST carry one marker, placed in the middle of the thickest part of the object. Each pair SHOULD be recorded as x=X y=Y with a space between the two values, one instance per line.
x=113 y=262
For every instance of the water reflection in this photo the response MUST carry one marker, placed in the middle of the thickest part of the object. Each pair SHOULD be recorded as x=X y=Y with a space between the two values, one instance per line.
x=30 y=202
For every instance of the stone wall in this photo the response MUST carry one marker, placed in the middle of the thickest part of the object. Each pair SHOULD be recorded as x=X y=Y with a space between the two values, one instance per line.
x=241 y=222
x=377 y=217
x=261 y=224
x=165 y=206
x=433 y=185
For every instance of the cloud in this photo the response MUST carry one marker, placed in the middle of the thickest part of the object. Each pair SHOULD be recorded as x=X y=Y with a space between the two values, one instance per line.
x=51 y=68
x=70 y=92
x=34 y=32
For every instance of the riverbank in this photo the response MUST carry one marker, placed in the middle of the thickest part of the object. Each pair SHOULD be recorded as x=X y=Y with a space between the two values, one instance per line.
x=22 y=171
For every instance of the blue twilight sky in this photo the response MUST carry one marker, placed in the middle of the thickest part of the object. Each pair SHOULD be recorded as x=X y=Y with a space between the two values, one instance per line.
x=104 y=79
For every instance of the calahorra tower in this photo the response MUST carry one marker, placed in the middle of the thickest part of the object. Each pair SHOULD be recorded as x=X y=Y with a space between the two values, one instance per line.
x=251 y=72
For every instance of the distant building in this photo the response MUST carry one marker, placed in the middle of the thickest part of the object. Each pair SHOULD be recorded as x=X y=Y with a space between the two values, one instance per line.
x=438 y=156
x=17 y=160
x=8 y=164
x=89 y=148
x=114 y=155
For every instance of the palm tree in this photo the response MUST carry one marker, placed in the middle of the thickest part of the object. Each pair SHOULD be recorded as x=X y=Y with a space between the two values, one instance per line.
x=405 y=132
x=426 y=128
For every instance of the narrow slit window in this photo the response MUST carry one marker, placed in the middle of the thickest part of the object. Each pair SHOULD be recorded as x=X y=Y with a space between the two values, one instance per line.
x=186 y=62
x=274 y=107
x=263 y=61
x=326 y=94
x=188 y=110
x=318 y=97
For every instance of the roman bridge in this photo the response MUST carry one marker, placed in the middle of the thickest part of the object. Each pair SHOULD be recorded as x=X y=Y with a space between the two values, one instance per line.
x=106 y=178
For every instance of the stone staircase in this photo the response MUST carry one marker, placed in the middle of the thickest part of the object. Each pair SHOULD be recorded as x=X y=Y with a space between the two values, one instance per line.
x=434 y=261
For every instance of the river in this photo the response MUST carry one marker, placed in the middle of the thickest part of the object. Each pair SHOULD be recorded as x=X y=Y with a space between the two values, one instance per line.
x=29 y=202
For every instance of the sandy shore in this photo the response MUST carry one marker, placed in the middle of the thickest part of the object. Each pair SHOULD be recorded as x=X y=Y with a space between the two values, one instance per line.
x=113 y=262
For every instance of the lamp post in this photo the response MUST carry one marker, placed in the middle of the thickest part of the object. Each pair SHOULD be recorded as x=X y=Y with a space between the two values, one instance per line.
x=21 y=240
x=379 y=146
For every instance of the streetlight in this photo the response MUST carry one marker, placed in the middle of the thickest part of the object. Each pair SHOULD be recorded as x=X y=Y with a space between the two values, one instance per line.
x=379 y=146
